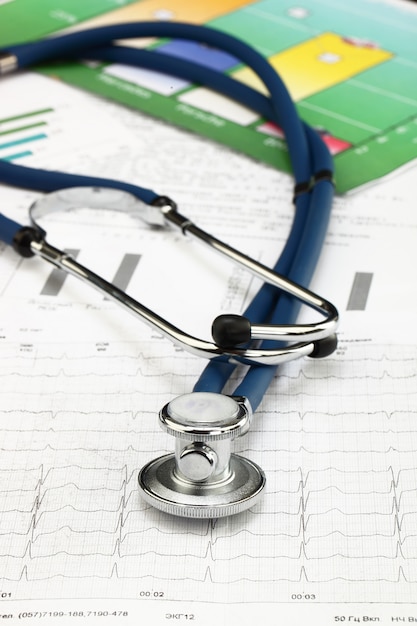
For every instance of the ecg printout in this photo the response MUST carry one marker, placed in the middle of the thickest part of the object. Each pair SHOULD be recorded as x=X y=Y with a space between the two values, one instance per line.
x=335 y=536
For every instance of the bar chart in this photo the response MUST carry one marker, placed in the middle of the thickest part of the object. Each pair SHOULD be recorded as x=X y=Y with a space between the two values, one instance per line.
x=20 y=134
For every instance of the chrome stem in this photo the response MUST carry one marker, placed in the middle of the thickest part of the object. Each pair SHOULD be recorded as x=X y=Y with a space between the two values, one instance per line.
x=198 y=347
x=309 y=332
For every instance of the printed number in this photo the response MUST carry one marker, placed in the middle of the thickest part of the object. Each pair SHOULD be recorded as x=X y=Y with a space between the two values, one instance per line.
x=151 y=594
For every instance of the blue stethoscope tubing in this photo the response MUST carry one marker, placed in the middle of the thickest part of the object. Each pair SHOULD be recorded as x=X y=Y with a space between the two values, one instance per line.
x=310 y=160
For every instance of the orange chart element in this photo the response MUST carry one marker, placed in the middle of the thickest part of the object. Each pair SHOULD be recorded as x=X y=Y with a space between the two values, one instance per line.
x=175 y=10
x=318 y=63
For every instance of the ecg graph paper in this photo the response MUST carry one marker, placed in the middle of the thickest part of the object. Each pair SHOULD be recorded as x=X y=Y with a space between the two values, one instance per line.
x=337 y=522
x=81 y=384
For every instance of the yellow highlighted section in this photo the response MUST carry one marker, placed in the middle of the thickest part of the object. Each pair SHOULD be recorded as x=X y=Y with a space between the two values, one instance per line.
x=176 y=10
x=318 y=63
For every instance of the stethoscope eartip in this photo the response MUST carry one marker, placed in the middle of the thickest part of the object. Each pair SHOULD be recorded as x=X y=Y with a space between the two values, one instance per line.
x=324 y=347
x=229 y=331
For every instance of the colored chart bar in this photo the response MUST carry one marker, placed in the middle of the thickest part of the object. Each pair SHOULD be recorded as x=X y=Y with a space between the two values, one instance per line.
x=56 y=278
x=19 y=142
x=18 y=155
x=317 y=64
x=360 y=291
x=209 y=57
x=22 y=116
x=20 y=128
x=125 y=271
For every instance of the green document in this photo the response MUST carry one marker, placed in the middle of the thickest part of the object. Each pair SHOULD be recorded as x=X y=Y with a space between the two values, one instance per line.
x=351 y=71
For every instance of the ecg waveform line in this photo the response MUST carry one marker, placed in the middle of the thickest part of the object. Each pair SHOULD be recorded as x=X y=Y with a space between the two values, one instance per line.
x=63 y=415
x=124 y=495
x=297 y=477
x=139 y=372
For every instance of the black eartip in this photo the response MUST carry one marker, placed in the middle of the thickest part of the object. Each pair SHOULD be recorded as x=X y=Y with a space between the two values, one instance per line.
x=161 y=201
x=229 y=331
x=324 y=347
x=23 y=238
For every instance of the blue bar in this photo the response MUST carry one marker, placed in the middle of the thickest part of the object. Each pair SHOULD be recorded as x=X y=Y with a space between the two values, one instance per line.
x=18 y=155
x=209 y=57
x=18 y=142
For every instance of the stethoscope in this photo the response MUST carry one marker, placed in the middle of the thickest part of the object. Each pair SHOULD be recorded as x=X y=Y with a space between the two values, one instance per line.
x=202 y=478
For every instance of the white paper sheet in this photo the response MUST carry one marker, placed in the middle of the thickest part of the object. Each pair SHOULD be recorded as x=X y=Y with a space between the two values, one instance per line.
x=334 y=538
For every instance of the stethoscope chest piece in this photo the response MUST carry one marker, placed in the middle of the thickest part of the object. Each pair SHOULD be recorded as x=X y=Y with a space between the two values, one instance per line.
x=203 y=479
